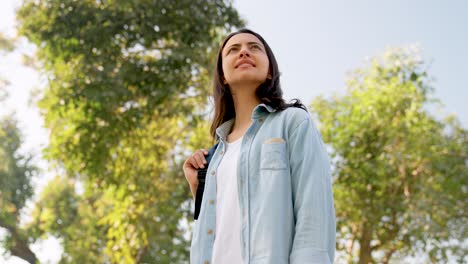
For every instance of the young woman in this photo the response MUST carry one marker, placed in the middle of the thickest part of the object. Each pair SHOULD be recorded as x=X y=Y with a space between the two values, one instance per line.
x=268 y=195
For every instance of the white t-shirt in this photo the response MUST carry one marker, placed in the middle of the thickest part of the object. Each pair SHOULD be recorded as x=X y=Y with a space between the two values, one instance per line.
x=227 y=244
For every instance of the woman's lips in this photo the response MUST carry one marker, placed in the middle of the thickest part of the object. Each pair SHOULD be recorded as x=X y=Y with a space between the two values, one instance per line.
x=245 y=65
x=244 y=62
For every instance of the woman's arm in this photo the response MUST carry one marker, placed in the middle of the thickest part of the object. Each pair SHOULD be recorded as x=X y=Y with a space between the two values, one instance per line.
x=193 y=189
x=314 y=239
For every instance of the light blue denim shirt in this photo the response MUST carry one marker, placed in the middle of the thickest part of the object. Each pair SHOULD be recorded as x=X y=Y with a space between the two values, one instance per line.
x=285 y=192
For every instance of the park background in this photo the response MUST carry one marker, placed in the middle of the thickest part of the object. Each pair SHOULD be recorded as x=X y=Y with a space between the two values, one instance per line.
x=96 y=175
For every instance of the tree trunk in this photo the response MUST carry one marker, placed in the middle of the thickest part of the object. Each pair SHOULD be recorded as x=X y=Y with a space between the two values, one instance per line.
x=365 y=251
x=20 y=247
x=21 y=250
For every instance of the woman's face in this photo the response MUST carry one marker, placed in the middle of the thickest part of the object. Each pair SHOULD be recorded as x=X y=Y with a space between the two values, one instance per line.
x=244 y=60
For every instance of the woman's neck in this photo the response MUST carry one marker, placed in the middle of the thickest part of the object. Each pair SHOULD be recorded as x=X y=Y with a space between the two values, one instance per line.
x=244 y=102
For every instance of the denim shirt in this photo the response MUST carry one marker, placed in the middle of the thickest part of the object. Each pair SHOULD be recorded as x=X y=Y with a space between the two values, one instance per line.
x=285 y=192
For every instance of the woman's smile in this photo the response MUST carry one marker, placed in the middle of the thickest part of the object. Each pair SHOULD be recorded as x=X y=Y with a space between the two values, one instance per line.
x=245 y=63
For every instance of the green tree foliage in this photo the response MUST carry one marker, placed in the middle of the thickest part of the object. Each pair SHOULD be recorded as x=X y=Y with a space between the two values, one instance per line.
x=127 y=82
x=6 y=45
x=16 y=171
x=61 y=212
x=400 y=174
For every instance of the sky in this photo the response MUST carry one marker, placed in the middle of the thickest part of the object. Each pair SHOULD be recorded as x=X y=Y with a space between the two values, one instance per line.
x=315 y=42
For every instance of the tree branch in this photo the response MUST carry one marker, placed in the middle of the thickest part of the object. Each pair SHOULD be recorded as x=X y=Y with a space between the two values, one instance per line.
x=20 y=247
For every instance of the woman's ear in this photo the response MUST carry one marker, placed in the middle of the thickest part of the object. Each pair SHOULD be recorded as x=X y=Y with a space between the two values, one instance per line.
x=269 y=76
x=224 y=80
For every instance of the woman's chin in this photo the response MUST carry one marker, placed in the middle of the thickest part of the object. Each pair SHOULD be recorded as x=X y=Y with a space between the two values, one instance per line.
x=248 y=78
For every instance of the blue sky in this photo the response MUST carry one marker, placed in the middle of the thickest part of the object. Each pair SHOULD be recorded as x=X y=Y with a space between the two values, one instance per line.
x=315 y=42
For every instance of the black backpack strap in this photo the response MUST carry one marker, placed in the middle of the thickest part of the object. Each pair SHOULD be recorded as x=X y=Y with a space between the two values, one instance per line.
x=201 y=175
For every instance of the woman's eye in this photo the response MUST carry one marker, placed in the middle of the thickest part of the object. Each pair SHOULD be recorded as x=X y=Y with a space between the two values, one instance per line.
x=229 y=51
x=255 y=47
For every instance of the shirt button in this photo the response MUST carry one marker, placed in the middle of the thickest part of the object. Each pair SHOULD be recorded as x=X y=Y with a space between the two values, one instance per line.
x=210 y=231
x=211 y=201
x=212 y=173
x=222 y=152
x=207 y=262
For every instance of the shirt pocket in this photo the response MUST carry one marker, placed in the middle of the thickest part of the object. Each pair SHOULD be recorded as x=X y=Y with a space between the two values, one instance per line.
x=273 y=154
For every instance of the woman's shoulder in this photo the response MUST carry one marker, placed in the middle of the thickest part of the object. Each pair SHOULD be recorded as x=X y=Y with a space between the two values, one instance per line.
x=297 y=120
x=293 y=116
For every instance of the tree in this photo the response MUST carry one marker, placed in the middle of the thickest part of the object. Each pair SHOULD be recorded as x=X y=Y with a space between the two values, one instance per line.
x=127 y=82
x=6 y=45
x=399 y=173
x=16 y=170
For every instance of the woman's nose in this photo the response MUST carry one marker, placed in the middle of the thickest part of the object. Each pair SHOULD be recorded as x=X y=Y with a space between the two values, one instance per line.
x=244 y=52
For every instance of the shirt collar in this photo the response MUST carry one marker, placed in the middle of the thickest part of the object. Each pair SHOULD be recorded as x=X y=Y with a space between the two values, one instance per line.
x=223 y=130
x=260 y=110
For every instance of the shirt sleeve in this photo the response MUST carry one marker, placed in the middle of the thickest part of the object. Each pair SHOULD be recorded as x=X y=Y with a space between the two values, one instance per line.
x=314 y=213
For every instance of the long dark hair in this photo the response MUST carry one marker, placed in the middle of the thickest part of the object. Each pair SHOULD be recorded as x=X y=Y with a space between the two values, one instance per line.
x=269 y=92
